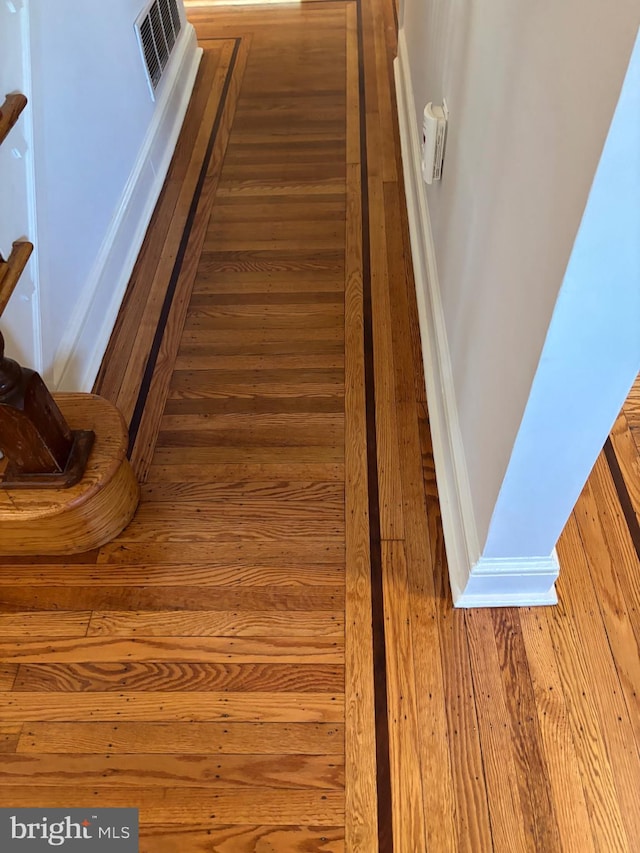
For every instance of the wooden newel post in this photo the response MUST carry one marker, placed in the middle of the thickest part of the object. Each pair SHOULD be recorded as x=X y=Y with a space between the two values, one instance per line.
x=91 y=500
x=40 y=449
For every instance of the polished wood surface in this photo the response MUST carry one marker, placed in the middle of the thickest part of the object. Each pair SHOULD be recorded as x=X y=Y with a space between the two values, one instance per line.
x=10 y=112
x=91 y=512
x=12 y=269
x=241 y=445
x=218 y=665
x=40 y=450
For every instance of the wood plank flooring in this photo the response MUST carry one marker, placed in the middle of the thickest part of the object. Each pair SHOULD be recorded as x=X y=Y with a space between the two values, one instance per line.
x=268 y=659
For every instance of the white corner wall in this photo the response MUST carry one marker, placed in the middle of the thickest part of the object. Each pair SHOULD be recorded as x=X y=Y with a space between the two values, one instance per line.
x=591 y=355
x=102 y=148
x=531 y=92
x=21 y=317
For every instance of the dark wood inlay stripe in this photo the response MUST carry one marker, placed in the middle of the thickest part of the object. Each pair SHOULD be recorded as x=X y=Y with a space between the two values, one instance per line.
x=385 y=811
x=623 y=495
x=145 y=385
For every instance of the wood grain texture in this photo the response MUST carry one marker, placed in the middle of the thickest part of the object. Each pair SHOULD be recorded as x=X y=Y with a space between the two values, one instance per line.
x=14 y=266
x=246 y=471
x=123 y=366
x=162 y=525
x=241 y=440
x=631 y=411
x=388 y=445
x=407 y=795
x=435 y=758
x=166 y=676
x=58 y=625
x=360 y=750
x=177 y=771
x=218 y=623
x=255 y=496
x=402 y=499
x=231 y=839
x=509 y=828
x=226 y=682
x=191 y=806
x=607 y=546
x=192 y=738
x=238 y=572
x=626 y=444
x=468 y=777
x=257 y=456
x=198 y=649
x=126 y=553
x=555 y=731
x=10 y=111
x=114 y=597
x=185 y=276
x=250 y=429
x=533 y=783
x=594 y=763
x=9 y=737
x=616 y=739
x=8 y=673
x=84 y=516
x=132 y=705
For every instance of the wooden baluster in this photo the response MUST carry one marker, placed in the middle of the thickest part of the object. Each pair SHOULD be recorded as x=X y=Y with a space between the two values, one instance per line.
x=12 y=269
x=9 y=113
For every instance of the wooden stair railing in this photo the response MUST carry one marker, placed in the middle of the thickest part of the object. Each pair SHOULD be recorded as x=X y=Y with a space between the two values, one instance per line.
x=93 y=492
x=9 y=113
x=36 y=442
x=12 y=269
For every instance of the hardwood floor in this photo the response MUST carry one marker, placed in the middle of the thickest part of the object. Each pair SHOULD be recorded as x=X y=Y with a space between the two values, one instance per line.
x=268 y=659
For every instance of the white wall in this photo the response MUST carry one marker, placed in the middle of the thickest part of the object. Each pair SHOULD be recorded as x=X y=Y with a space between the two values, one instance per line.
x=531 y=89
x=517 y=423
x=92 y=110
x=20 y=321
x=592 y=352
x=101 y=150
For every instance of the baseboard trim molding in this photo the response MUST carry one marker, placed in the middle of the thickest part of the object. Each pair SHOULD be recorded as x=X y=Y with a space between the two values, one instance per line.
x=507 y=582
x=84 y=343
x=475 y=580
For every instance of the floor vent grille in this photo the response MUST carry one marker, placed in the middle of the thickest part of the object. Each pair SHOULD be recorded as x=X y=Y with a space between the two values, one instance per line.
x=158 y=28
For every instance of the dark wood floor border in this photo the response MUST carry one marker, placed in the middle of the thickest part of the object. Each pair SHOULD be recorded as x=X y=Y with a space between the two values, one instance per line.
x=145 y=385
x=383 y=764
x=623 y=494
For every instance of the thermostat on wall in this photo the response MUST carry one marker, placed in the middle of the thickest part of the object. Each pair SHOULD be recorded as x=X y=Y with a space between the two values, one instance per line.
x=434 y=128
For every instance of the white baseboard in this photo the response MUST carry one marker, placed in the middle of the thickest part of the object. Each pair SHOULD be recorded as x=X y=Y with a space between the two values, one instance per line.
x=84 y=343
x=476 y=581
x=511 y=582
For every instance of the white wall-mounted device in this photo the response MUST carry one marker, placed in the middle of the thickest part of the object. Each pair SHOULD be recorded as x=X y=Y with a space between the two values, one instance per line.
x=434 y=129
